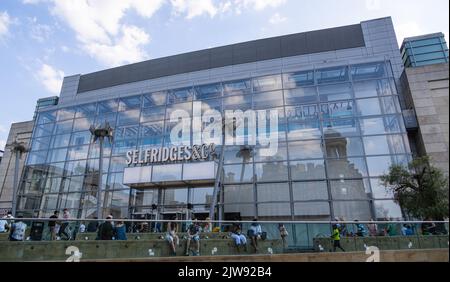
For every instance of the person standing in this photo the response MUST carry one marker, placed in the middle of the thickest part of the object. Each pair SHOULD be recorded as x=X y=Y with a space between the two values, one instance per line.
x=106 y=230
x=120 y=231
x=52 y=225
x=336 y=238
x=17 y=232
x=283 y=233
x=65 y=225
x=373 y=229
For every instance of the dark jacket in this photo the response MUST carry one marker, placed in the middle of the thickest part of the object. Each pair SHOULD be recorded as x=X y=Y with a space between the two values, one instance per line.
x=105 y=231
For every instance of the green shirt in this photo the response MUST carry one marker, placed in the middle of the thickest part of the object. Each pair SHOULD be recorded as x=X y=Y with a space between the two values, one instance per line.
x=336 y=236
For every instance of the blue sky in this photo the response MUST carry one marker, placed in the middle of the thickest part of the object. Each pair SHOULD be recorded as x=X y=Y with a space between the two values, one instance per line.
x=41 y=41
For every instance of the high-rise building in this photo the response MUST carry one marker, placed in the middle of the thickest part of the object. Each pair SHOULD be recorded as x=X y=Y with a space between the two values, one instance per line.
x=44 y=103
x=424 y=50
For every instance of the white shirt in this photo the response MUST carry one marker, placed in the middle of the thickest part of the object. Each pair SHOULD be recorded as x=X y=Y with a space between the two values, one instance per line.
x=19 y=230
x=2 y=225
x=82 y=228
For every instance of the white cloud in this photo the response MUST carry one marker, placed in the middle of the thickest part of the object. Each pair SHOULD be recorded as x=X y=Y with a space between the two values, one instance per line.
x=407 y=29
x=259 y=4
x=126 y=48
x=39 y=32
x=5 y=21
x=51 y=78
x=194 y=8
x=65 y=49
x=99 y=29
x=373 y=5
x=277 y=18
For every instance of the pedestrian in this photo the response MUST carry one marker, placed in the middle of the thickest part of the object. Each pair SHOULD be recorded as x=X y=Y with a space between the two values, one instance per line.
x=17 y=232
x=193 y=234
x=92 y=226
x=373 y=228
x=65 y=229
x=172 y=237
x=283 y=233
x=105 y=230
x=120 y=231
x=360 y=229
x=52 y=225
x=336 y=238
x=254 y=233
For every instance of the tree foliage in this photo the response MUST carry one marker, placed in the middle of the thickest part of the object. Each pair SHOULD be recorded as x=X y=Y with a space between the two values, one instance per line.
x=420 y=189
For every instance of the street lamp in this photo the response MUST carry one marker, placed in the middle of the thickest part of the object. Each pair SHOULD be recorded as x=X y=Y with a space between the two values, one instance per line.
x=18 y=148
x=100 y=133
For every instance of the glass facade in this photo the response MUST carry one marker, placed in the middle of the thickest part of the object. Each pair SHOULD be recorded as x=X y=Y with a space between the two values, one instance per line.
x=429 y=49
x=339 y=129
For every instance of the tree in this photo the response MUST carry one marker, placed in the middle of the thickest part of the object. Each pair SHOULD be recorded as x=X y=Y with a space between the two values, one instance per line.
x=420 y=189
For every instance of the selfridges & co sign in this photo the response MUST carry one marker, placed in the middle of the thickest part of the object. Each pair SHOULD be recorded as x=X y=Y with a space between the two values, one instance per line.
x=171 y=154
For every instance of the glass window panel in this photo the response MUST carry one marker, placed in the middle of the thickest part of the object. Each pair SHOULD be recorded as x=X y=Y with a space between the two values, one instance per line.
x=352 y=210
x=367 y=71
x=237 y=87
x=123 y=146
x=76 y=183
x=167 y=172
x=76 y=167
x=152 y=129
x=53 y=185
x=129 y=103
x=107 y=106
x=427 y=49
x=126 y=132
x=334 y=74
x=202 y=196
x=238 y=194
x=118 y=163
x=154 y=99
x=378 y=106
x=383 y=145
x=56 y=169
x=153 y=114
x=305 y=150
x=276 y=171
x=208 y=91
x=312 y=211
x=273 y=192
x=46 y=117
x=86 y=110
x=93 y=166
x=280 y=155
x=66 y=113
x=380 y=165
x=37 y=157
x=152 y=141
x=238 y=154
x=145 y=197
x=115 y=181
x=238 y=173
x=78 y=152
x=308 y=129
x=81 y=124
x=267 y=83
x=40 y=143
x=267 y=100
x=342 y=91
x=238 y=102
x=300 y=95
x=106 y=118
x=243 y=211
x=175 y=196
x=340 y=128
x=387 y=210
x=128 y=117
x=381 y=125
x=307 y=170
x=307 y=191
x=274 y=211
x=343 y=147
x=60 y=141
x=379 y=191
x=43 y=130
x=301 y=78
x=58 y=155
x=81 y=138
x=63 y=127
x=372 y=88
x=120 y=198
x=187 y=107
x=350 y=189
x=180 y=95
x=346 y=168
x=429 y=56
x=341 y=109
x=49 y=202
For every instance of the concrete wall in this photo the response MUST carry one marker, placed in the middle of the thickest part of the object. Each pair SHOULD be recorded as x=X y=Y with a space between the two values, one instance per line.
x=427 y=91
x=22 y=132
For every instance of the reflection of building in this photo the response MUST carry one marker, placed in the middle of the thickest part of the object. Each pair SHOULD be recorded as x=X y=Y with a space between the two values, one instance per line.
x=21 y=132
x=324 y=166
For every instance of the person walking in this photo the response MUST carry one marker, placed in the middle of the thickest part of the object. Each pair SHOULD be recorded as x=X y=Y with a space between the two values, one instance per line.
x=283 y=233
x=336 y=238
